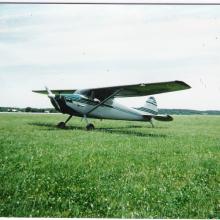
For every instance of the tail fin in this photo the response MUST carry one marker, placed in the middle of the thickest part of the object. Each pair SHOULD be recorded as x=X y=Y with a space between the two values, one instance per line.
x=150 y=106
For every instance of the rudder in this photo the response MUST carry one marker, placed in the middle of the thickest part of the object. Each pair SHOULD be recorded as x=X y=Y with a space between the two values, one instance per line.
x=150 y=106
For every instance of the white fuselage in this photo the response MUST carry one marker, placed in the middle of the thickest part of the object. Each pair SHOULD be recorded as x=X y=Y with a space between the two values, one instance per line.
x=111 y=109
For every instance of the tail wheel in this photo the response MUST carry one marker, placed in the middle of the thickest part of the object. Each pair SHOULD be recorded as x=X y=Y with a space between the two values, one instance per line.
x=90 y=127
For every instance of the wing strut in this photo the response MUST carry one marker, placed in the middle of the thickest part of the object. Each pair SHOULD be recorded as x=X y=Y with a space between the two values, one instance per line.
x=105 y=100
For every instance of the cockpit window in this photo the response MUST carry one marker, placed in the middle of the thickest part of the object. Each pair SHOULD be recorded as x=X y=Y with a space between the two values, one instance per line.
x=82 y=92
x=86 y=92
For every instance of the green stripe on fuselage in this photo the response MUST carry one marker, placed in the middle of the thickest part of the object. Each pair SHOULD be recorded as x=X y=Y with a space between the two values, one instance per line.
x=147 y=110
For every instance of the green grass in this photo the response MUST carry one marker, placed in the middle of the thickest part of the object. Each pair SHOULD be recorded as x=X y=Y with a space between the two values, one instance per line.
x=122 y=169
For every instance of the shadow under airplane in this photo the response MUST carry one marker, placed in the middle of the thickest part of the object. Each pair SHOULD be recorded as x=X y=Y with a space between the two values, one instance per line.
x=112 y=130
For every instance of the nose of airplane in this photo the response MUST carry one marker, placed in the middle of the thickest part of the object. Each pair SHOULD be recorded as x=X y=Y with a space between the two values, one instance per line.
x=49 y=93
x=53 y=98
x=55 y=104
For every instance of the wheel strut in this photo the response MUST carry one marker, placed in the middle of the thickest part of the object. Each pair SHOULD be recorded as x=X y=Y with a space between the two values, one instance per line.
x=68 y=119
x=63 y=124
x=152 y=123
x=89 y=126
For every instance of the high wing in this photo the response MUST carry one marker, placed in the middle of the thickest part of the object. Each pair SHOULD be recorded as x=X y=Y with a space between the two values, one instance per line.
x=143 y=89
x=57 y=92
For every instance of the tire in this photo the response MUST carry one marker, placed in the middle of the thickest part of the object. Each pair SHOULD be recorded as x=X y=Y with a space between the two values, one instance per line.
x=61 y=125
x=90 y=127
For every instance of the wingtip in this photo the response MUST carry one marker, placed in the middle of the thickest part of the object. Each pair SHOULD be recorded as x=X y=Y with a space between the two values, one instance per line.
x=184 y=84
x=40 y=91
x=37 y=91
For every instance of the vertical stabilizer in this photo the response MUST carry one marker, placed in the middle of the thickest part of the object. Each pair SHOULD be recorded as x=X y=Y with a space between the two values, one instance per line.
x=150 y=106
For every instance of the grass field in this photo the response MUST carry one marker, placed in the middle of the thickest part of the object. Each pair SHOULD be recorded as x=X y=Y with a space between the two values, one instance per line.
x=122 y=169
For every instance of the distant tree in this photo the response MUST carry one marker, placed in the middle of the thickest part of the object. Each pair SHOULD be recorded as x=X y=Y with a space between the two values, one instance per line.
x=28 y=109
x=53 y=110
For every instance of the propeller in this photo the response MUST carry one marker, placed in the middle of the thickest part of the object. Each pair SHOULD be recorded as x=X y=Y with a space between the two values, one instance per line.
x=51 y=96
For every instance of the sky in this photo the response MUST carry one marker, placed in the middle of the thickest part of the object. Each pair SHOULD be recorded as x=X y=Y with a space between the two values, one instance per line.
x=87 y=46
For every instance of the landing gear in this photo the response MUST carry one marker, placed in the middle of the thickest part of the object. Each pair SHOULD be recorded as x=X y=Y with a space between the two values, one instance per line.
x=63 y=124
x=152 y=123
x=90 y=127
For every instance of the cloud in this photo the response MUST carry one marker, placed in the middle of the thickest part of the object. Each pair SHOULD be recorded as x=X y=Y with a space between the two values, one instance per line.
x=86 y=46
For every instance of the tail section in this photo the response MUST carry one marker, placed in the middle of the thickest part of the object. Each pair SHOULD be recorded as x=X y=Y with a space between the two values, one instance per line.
x=150 y=106
x=150 y=111
x=163 y=118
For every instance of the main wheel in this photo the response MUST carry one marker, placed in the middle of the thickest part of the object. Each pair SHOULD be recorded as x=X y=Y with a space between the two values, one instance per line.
x=61 y=125
x=90 y=127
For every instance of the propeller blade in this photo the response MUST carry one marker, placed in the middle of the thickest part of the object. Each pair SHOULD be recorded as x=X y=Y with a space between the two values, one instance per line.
x=50 y=94
x=52 y=98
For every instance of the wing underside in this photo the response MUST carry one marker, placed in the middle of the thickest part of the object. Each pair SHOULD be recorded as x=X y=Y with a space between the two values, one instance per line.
x=57 y=92
x=136 y=90
x=152 y=88
x=143 y=89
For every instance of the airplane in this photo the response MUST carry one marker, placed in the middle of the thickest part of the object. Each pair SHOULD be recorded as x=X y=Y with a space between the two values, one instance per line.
x=100 y=102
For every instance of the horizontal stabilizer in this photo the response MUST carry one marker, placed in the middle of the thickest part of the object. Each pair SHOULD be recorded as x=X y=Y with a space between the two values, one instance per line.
x=163 y=118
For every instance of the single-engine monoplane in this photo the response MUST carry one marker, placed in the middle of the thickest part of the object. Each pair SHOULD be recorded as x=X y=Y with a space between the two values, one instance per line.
x=101 y=102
